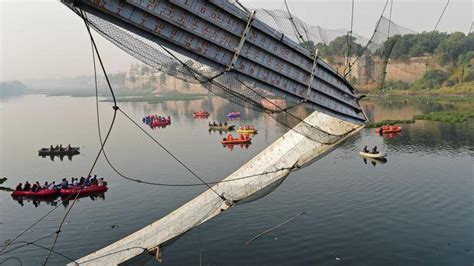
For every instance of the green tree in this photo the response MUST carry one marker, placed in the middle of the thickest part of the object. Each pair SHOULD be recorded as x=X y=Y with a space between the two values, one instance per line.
x=451 y=48
x=431 y=79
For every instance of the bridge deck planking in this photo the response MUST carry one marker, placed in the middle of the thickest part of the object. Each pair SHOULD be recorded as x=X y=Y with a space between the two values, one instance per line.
x=192 y=24
x=214 y=53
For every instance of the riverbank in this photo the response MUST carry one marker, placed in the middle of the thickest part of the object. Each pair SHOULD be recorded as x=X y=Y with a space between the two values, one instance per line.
x=147 y=96
x=155 y=99
x=446 y=116
x=463 y=92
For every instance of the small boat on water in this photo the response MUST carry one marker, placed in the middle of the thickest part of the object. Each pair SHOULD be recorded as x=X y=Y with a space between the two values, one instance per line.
x=40 y=194
x=389 y=129
x=201 y=114
x=248 y=129
x=231 y=140
x=160 y=123
x=233 y=115
x=222 y=128
x=84 y=190
x=153 y=121
x=378 y=155
x=58 y=150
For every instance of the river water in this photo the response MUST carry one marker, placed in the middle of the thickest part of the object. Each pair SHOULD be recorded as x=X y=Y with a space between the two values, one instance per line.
x=416 y=209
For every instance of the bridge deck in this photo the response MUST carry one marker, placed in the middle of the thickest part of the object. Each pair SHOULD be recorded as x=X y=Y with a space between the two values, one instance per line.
x=292 y=149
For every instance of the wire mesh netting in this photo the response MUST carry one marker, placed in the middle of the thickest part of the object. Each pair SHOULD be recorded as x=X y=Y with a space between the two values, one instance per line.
x=258 y=95
x=255 y=96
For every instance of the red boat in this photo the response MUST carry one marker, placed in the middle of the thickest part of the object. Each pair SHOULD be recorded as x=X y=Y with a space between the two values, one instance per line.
x=85 y=190
x=203 y=114
x=160 y=123
x=40 y=194
x=389 y=129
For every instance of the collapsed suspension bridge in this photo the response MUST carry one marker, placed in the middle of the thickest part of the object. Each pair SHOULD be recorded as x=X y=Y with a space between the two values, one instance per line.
x=228 y=50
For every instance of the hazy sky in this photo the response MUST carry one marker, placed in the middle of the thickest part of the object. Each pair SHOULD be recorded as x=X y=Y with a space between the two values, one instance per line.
x=44 y=39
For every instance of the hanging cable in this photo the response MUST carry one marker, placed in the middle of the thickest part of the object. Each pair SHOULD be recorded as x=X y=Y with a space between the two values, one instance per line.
x=21 y=246
x=389 y=52
x=434 y=31
x=11 y=258
x=115 y=108
x=390 y=19
x=371 y=38
x=295 y=28
x=349 y=41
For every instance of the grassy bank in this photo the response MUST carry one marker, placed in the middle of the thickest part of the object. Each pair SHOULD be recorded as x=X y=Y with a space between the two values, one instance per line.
x=450 y=117
x=447 y=117
x=463 y=92
x=126 y=95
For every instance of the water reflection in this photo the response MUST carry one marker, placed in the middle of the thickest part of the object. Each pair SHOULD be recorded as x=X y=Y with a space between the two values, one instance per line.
x=374 y=161
x=53 y=201
x=389 y=201
x=391 y=135
x=61 y=156
x=231 y=146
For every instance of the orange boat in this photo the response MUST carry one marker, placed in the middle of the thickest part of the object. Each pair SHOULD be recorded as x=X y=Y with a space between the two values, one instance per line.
x=389 y=129
x=231 y=140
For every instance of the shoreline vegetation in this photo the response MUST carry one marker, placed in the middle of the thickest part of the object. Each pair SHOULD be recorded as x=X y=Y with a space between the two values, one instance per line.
x=463 y=92
x=155 y=99
x=443 y=116
x=147 y=96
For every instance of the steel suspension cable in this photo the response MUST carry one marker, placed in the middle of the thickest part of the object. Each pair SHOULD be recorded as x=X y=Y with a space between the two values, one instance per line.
x=115 y=108
x=371 y=38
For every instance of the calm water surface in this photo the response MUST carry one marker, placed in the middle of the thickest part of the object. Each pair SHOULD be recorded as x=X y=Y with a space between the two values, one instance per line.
x=416 y=209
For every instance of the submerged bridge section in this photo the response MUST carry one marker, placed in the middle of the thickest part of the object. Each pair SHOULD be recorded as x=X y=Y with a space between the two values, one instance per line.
x=232 y=41
x=290 y=152
x=235 y=45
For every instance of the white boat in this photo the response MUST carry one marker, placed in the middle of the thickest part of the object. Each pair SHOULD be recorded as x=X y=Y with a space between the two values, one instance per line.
x=372 y=155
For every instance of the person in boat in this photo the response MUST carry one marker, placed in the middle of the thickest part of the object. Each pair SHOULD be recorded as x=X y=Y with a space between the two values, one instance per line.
x=38 y=186
x=225 y=123
x=374 y=150
x=220 y=124
x=27 y=186
x=365 y=149
x=34 y=188
x=52 y=186
x=64 y=184
x=46 y=185
x=82 y=181
x=229 y=137
x=94 y=180
x=69 y=147
x=87 y=182
x=57 y=147
x=75 y=183
x=51 y=147
x=19 y=187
